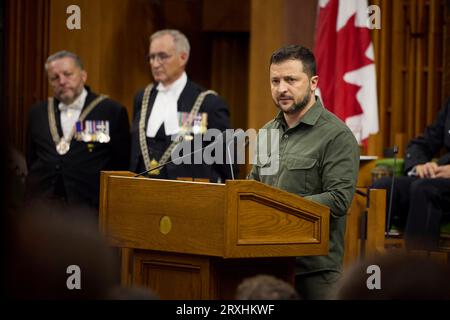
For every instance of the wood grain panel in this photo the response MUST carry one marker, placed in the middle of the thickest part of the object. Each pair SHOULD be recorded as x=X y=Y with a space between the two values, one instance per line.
x=226 y=16
x=260 y=222
x=26 y=30
x=446 y=52
x=112 y=42
x=140 y=226
x=300 y=22
x=352 y=242
x=229 y=74
x=365 y=229
x=177 y=277
x=410 y=56
x=365 y=173
x=266 y=31
x=376 y=223
x=251 y=195
x=203 y=218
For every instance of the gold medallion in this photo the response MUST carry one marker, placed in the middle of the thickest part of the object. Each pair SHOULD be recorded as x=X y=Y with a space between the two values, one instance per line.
x=154 y=164
x=165 y=225
x=62 y=147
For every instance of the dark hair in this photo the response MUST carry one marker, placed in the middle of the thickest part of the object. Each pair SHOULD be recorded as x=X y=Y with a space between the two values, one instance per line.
x=265 y=287
x=296 y=52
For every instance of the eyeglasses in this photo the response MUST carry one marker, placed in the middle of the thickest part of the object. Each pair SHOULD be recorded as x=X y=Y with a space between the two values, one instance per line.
x=160 y=57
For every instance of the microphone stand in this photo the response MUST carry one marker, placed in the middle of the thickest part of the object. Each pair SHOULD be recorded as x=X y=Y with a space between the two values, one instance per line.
x=388 y=222
x=218 y=139
x=236 y=135
x=229 y=158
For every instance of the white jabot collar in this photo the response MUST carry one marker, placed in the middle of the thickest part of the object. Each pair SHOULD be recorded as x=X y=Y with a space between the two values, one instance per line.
x=165 y=108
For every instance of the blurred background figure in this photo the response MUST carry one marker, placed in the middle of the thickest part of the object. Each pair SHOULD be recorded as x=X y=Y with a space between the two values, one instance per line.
x=421 y=197
x=401 y=277
x=73 y=136
x=265 y=287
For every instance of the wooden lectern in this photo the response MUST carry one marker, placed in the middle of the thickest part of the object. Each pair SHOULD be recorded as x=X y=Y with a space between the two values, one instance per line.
x=195 y=240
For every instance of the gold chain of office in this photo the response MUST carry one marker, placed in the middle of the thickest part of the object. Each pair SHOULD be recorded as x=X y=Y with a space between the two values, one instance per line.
x=150 y=164
x=63 y=143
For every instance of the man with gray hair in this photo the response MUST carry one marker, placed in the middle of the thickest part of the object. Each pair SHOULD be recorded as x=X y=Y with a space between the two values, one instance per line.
x=173 y=106
x=73 y=136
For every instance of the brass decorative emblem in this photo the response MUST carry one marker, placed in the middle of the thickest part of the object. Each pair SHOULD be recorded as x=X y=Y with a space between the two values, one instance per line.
x=165 y=225
x=153 y=165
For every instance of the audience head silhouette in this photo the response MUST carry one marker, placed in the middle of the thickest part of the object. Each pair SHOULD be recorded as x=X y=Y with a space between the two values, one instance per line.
x=398 y=277
x=58 y=256
x=265 y=287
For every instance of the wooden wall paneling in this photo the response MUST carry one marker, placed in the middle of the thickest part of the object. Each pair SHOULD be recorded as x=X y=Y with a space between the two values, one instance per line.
x=187 y=16
x=125 y=28
x=432 y=71
x=384 y=81
x=299 y=22
x=44 y=40
x=226 y=16
x=26 y=46
x=265 y=37
x=411 y=46
x=112 y=43
x=229 y=73
x=446 y=53
x=85 y=42
x=397 y=103
x=228 y=25
x=418 y=95
x=381 y=41
x=435 y=59
x=12 y=66
x=352 y=238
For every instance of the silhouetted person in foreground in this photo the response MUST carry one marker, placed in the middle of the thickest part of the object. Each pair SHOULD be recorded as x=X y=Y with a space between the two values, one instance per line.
x=401 y=277
x=56 y=256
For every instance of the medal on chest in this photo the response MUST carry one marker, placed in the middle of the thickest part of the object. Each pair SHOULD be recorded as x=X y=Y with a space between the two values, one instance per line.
x=62 y=147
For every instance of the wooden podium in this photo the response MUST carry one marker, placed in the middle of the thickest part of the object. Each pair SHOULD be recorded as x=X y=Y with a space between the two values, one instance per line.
x=194 y=240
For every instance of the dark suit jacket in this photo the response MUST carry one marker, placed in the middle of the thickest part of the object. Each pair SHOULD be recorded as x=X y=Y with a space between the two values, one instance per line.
x=218 y=118
x=437 y=136
x=75 y=175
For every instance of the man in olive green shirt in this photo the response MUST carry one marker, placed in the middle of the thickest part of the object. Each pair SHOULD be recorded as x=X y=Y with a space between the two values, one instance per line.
x=317 y=158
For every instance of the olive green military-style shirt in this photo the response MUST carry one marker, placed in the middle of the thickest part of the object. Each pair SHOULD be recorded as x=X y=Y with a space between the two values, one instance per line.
x=318 y=159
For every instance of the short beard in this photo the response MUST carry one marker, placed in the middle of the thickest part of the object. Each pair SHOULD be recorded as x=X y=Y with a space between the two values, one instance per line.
x=75 y=96
x=299 y=106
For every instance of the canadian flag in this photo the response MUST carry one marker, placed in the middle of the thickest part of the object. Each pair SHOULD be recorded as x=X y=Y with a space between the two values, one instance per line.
x=345 y=65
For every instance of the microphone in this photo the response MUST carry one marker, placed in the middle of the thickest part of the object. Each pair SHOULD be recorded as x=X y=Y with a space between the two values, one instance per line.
x=236 y=135
x=229 y=157
x=388 y=222
x=219 y=138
